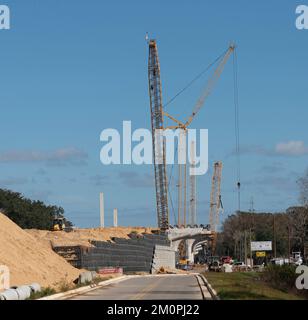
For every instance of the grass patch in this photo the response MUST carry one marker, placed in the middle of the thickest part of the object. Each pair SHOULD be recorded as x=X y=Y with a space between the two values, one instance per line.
x=64 y=286
x=48 y=291
x=246 y=286
x=94 y=282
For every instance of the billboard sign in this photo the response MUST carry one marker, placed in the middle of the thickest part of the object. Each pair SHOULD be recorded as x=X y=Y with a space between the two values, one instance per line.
x=261 y=245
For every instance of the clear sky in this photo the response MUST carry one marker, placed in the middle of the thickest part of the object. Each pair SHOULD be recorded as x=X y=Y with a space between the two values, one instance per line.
x=70 y=69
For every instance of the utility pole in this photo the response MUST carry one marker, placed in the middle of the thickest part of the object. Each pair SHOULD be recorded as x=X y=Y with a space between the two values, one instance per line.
x=245 y=247
x=274 y=236
x=251 y=261
x=185 y=193
x=289 y=242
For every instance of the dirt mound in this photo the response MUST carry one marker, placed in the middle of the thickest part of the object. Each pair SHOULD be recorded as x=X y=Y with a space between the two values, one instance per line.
x=30 y=261
x=83 y=236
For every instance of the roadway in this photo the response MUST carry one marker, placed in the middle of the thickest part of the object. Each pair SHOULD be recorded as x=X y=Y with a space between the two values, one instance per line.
x=162 y=287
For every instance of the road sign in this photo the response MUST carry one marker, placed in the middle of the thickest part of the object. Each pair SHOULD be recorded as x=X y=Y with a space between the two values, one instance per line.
x=260 y=254
x=261 y=245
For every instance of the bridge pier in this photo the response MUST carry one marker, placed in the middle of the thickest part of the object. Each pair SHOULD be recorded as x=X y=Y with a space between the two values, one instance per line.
x=189 y=250
x=191 y=236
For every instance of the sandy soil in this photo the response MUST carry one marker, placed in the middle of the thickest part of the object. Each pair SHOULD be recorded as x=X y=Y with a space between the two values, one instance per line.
x=29 y=260
x=82 y=236
x=29 y=254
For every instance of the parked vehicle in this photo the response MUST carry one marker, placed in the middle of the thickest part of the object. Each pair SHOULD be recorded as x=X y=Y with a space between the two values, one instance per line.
x=280 y=261
x=241 y=266
x=215 y=266
x=225 y=259
x=297 y=258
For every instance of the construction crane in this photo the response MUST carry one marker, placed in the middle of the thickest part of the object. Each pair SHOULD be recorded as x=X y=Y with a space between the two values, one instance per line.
x=215 y=200
x=157 y=122
x=159 y=149
x=184 y=126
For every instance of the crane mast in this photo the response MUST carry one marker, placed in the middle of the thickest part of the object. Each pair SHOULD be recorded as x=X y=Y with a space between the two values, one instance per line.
x=215 y=201
x=159 y=148
x=193 y=193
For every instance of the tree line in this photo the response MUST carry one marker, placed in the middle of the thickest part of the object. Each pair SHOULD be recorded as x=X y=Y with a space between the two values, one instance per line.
x=28 y=214
x=287 y=230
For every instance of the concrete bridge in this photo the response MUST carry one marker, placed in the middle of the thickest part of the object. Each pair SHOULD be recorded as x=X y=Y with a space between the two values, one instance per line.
x=192 y=237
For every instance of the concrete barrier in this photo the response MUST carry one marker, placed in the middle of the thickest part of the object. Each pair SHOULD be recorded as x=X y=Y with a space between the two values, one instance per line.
x=163 y=257
x=133 y=254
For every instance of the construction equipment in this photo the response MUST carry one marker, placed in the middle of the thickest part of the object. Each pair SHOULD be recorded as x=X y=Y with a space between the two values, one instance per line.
x=157 y=120
x=58 y=224
x=159 y=152
x=215 y=201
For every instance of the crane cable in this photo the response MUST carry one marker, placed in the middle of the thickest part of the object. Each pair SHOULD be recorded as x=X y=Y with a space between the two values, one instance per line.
x=237 y=128
x=197 y=77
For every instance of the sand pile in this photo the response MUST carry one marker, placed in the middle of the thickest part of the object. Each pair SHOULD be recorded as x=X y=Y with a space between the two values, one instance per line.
x=83 y=236
x=30 y=261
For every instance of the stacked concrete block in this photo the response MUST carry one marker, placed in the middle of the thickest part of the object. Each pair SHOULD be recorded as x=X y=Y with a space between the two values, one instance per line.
x=163 y=257
x=133 y=255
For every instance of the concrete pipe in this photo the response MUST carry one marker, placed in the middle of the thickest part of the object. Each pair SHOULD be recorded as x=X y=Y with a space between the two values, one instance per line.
x=85 y=277
x=24 y=292
x=35 y=287
x=9 y=294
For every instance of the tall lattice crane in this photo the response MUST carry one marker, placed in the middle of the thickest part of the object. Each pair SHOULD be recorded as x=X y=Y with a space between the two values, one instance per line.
x=159 y=149
x=157 y=121
x=215 y=201
x=184 y=126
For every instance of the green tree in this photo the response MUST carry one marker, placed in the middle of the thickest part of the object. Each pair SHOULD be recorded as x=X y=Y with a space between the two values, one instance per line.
x=26 y=213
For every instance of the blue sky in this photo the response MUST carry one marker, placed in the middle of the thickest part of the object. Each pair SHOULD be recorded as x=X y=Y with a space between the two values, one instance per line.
x=70 y=70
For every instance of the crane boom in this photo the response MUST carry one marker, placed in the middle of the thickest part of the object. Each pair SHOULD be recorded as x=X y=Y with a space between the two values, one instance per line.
x=210 y=85
x=159 y=149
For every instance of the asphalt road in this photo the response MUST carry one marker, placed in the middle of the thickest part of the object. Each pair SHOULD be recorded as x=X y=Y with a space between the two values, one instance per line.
x=163 y=287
